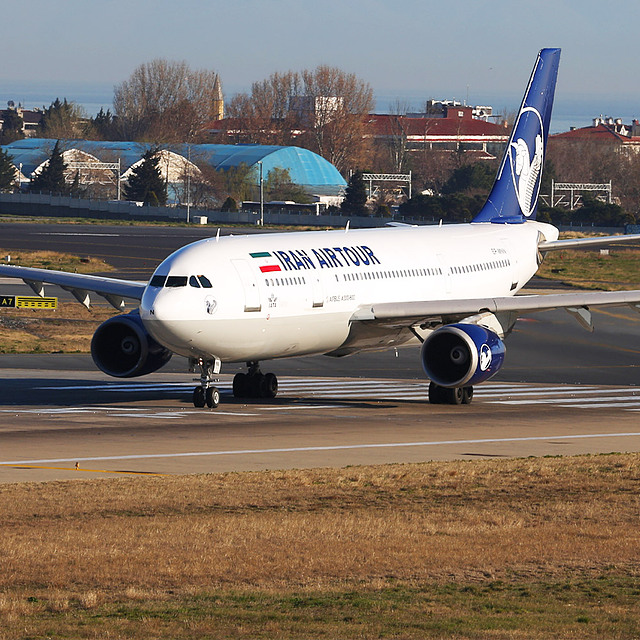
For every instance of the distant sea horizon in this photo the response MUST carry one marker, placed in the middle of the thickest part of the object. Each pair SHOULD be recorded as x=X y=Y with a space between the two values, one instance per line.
x=567 y=113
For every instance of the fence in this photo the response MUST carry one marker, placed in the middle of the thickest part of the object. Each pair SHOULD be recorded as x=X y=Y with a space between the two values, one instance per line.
x=28 y=204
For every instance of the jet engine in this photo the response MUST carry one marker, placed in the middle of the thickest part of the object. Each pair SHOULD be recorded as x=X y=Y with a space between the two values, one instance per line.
x=461 y=355
x=122 y=347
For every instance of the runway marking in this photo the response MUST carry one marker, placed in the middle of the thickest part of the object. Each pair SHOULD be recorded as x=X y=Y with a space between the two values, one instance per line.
x=128 y=412
x=346 y=447
x=336 y=390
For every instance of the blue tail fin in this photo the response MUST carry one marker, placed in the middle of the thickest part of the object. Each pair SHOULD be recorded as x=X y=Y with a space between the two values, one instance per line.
x=514 y=196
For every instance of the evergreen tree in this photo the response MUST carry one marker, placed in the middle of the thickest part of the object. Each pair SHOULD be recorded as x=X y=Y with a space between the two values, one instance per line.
x=355 y=201
x=7 y=172
x=103 y=125
x=229 y=205
x=11 y=127
x=51 y=178
x=145 y=183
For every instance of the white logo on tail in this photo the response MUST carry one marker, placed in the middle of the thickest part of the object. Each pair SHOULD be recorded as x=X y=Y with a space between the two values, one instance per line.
x=526 y=170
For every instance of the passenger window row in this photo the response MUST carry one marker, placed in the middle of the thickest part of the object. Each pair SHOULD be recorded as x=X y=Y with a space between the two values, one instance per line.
x=283 y=282
x=483 y=266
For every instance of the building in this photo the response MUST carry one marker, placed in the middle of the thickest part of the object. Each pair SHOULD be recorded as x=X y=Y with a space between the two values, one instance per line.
x=450 y=128
x=605 y=131
x=178 y=162
x=30 y=118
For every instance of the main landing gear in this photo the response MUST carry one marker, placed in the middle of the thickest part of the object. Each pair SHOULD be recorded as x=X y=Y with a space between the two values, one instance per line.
x=254 y=383
x=446 y=395
x=207 y=393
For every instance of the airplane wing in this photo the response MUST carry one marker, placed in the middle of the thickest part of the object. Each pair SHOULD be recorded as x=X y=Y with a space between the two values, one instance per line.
x=408 y=314
x=579 y=243
x=115 y=291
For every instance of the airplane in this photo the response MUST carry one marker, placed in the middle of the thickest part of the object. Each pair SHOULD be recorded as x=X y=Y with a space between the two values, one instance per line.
x=259 y=297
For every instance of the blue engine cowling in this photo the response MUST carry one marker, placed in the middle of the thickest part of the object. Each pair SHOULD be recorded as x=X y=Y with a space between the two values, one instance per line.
x=122 y=347
x=461 y=355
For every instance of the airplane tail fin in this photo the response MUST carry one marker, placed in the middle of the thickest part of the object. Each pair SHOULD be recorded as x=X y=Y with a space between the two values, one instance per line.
x=514 y=196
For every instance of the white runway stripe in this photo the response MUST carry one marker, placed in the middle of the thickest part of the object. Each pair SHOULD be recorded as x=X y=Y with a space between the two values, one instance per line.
x=305 y=388
x=347 y=447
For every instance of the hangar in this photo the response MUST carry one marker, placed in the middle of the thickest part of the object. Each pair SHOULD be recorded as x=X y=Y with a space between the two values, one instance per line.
x=307 y=169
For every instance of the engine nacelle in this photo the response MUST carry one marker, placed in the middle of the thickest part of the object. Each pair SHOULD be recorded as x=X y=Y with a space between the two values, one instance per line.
x=121 y=347
x=461 y=355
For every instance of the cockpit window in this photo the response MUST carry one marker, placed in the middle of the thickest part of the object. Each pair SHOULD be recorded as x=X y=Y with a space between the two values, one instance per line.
x=205 y=282
x=157 y=281
x=193 y=281
x=176 y=281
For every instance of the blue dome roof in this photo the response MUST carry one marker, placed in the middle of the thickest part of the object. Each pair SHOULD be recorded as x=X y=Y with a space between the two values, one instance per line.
x=305 y=168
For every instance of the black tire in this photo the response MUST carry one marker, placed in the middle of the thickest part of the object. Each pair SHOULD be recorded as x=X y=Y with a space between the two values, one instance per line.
x=269 y=386
x=255 y=385
x=198 y=397
x=240 y=385
x=454 y=395
x=467 y=395
x=212 y=397
x=436 y=395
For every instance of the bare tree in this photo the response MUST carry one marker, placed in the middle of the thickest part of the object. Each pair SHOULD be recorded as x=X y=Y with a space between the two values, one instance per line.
x=322 y=109
x=165 y=101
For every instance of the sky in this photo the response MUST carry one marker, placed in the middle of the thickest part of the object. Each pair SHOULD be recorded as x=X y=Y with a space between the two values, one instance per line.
x=405 y=49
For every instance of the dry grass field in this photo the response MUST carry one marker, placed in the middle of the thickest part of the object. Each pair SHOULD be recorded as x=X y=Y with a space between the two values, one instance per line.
x=66 y=329
x=617 y=270
x=528 y=548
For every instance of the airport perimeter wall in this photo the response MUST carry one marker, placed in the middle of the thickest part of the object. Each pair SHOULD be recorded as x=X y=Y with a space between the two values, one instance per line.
x=63 y=206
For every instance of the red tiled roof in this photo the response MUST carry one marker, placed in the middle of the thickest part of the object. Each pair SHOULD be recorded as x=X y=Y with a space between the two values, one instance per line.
x=601 y=133
x=388 y=125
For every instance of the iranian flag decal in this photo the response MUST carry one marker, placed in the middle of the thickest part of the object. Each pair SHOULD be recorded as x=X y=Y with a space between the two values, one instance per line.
x=273 y=266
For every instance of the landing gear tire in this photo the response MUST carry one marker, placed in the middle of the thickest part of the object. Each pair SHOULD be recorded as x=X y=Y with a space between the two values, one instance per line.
x=446 y=395
x=436 y=393
x=240 y=385
x=255 y=384
x=269 y=386
x=198 y=397
x=212 y=397
x=454 y=395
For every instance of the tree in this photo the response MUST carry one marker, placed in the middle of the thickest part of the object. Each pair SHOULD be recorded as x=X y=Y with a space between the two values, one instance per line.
x=355 y=201
x=7 y=172
x=12 y=124
x=322 y=109
x=164 y=101
x=278 y=186
x=229 y=205
x=51 y=178
x=145 y=184
x=103 y=126
x=471 y=178
x=62 y=120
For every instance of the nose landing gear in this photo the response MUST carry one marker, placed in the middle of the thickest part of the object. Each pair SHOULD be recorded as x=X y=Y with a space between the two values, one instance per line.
x=207 y=393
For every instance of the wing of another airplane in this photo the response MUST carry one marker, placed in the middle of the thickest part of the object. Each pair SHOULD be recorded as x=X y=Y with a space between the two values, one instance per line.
x=115 y=291
x=407 y=314
x=579 y=243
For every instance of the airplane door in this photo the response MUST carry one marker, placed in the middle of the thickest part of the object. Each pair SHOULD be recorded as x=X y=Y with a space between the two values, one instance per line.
x=249 y=284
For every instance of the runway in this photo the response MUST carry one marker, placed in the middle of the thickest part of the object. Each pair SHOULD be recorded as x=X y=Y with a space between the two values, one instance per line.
x=125 y=428
x=561 y=391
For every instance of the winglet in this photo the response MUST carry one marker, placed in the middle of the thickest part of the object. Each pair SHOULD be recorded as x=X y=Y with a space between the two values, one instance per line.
x=514 y=196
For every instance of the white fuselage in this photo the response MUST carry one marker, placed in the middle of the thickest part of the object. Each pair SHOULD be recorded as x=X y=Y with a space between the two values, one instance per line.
x=290 y=294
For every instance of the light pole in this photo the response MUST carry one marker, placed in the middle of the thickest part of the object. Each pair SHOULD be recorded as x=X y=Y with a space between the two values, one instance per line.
x=261 y=195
